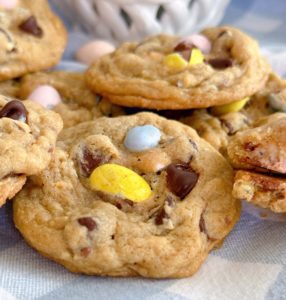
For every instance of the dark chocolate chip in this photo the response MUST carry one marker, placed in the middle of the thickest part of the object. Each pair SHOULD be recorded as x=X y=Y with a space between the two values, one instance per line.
x=31 y=26
x=85 y=251
x=184 y=49
x=181 y=179
x=15 y=110
x=250 y=146
x=220 y=63
x=202 y=224
x=90 y=161
x=87 y=222
x=183 y=46
x=170 y=201
x=161 y=216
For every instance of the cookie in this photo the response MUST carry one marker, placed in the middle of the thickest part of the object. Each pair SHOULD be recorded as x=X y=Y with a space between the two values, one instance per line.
x=10 y=88
x=129 y=196
x=166 y=72
x=27 y=141
x=261 y=148
x=217 y=129
x=27 y=32
x=77 y=104
x=263 y=190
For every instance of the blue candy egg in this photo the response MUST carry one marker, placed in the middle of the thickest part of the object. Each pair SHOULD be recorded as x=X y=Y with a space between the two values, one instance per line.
x=141 y=138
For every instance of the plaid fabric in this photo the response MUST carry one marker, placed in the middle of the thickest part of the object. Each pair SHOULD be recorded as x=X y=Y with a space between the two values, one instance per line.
x=251 y=263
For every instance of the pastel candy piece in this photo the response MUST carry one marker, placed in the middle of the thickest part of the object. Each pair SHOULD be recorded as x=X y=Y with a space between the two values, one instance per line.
x=175 y=61
x=141 y=138
x=46 y=95
x=121 y=182
x=230 y=107
x=8 y=4
x=196 y=40
x=196 y=58
x=91 y=51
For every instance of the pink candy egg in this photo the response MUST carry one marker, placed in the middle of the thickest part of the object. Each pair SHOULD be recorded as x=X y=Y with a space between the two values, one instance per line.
x=8 y=4
x=46 y=96
x=199 y=41
x=91 y=51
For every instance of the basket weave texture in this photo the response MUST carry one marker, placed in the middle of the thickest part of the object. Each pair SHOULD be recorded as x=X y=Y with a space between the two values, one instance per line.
x=122 y=20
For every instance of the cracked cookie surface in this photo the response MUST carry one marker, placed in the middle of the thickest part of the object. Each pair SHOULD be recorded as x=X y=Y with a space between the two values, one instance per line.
x=136 y=75
x=27 y=141
x=26 y=34
x=89 y=228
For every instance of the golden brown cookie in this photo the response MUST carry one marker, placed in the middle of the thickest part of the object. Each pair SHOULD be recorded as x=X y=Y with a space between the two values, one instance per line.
x=129 y=196
x=27 y=141
x=140 y=74
x=78 y=104
x=32 y=38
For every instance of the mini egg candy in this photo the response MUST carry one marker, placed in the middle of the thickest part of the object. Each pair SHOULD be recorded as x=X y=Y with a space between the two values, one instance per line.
x=195 y=40
x=175 y=61
x=120 y=181
x=196 y=58
x=45 y=95
x=141 y=138
x=8 y=4
x=91 y=51
x=230 y=107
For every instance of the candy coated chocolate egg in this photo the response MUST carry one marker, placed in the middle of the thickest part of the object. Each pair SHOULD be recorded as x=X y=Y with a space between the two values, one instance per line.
x=120 y=182
x=45 y=95
x=141 y=138
x=175 y=60
x=8 y=4
x=91 y=51
x=230 y=107
x=196 y=57
x=198 y=41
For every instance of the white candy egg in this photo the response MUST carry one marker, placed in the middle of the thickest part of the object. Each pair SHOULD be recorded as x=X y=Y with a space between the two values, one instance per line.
x=91 y=51
x=46 y=95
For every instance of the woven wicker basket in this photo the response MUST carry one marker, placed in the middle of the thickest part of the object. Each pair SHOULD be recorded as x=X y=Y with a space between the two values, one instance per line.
x=121 y=20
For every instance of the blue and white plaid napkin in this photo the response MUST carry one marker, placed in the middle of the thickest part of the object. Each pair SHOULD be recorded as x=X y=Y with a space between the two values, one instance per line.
x=251 y=263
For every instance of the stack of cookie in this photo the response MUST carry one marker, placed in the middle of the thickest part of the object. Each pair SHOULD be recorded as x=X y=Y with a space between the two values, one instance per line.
x=126 y=192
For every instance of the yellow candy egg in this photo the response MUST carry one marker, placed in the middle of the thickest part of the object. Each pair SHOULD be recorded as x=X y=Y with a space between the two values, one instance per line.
x=230 y=107
x=120 y=181
x=197 y=57
x=175 y=60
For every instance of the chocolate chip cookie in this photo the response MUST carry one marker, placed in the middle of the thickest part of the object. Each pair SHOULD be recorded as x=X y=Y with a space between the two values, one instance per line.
x=27 y=141
x=217 y=129
x=78 y=103
x=32 y=38
x=168 y=72
x=128 y=196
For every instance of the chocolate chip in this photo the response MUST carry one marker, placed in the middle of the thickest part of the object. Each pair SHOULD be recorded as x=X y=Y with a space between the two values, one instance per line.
x=15 y=110
x=202 y=224
x=181 y=179
x=31 y=26
x=87 y=222
x=184 y=49
x=250 y=146
x=90 y=161
x=85 y=251
x=220 y=63
x=160 y=217
x=170 y=201
x=182 y=46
